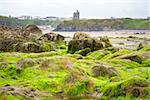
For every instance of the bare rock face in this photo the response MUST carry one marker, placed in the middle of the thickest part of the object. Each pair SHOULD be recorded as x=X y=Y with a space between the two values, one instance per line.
x=31 y=31
x=51 y=37
x=79 y=35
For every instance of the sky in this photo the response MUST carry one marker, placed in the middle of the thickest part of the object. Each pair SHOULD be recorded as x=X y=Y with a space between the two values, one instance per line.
x=87 y=8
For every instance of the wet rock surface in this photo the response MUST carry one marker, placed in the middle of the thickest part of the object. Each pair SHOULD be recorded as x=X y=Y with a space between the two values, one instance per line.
x=51 y=37
x=26 y=93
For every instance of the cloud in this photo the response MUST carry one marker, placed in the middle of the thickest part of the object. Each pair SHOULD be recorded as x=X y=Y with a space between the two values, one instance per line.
x=88 y=8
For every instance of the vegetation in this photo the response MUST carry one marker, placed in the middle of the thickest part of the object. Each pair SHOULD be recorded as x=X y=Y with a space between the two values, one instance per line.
x=103 y=24
x=101 y=74
x=47 y=67
x=13 y=22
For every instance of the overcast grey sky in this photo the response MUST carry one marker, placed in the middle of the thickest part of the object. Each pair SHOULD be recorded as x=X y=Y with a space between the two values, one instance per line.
x=87 y=8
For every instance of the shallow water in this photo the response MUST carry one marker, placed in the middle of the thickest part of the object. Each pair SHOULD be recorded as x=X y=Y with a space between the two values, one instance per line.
x=121 y=33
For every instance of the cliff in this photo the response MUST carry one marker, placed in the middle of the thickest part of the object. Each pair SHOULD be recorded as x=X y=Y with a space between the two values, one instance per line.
x=103 y=24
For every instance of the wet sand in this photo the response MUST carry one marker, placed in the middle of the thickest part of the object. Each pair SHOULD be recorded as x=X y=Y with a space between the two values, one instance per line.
x=117 y=38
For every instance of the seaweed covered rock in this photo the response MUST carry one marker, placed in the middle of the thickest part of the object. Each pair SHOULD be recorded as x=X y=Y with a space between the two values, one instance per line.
x=51 y=37
x=103 y=70
x=142 y=45
x=31 y=31
x=84 y=52
x=29 y=47
x=16 y=93
x=9 y=37
x=82 y=41
x=133 y=57
x=105 y=41
x=136 y=87
x=79 y=35
x=46 y=47
x=76 y=45
x=24 y=63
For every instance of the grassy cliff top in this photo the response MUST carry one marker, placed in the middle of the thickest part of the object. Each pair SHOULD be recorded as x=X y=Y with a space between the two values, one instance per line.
x=123 y=23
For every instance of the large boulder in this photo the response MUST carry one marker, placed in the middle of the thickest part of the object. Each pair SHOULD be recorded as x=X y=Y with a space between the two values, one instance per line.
x=31 y=32
x=82 y=41
x=9 y=37
x=79 y=35
x=51 y=37
x=76 y=44
x=29 y=47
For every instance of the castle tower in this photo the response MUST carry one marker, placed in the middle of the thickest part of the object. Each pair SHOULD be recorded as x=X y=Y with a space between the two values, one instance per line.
x=76 y=15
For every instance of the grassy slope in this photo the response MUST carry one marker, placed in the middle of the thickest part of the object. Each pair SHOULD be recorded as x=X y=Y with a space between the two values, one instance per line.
x=71 y=75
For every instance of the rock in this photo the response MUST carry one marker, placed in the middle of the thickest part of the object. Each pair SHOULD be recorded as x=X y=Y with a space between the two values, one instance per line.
x=79 y=35
x=76 y=56
x=9 y=37
x=31 y=31
x=3 y=65
x=84 y=52
x=46 y=47
x=7 y=43
x=51 y=75
x=104 y=70
x=146 y=55
x=51 y=37
x=106 y=42
x=133 y=57
x=76 y=45
x=24 y=63
x=25 y=93
x=136 y=87
x=27 y=47
x=141 y=45
x=31 y=47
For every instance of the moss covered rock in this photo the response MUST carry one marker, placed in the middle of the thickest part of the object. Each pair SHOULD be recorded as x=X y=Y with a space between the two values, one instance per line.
x=51 y=37
x=79 y=35
x=31 y=31
x=29 y=47
x=76 y=45
x=103 y=70
x=105 y=41
x=83 y=52
x=133 y=57
x=24 y=63
x=46 y=47
x=136 y=87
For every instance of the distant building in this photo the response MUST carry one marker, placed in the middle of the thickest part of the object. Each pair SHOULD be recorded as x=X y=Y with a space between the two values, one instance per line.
x=25 y=17
x=51 y=18
x=76 y=15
